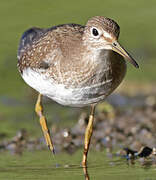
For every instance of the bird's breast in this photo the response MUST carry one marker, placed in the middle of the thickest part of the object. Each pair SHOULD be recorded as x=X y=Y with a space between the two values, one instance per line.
x=85 y=87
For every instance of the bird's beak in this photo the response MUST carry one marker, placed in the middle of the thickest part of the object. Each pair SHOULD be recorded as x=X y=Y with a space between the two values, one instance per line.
x=120 y=50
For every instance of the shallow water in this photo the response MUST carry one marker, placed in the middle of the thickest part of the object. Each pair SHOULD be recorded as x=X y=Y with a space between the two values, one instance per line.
x=42 y=165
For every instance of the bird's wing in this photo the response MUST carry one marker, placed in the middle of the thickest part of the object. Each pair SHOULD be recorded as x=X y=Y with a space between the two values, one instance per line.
x=38 y=49
x=27 y=38
x=49 y=48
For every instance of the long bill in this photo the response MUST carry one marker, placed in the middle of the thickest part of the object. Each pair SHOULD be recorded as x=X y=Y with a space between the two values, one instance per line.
x=120 y=50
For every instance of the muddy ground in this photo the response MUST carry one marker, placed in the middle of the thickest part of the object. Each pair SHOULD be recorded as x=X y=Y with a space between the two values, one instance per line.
x=124 y=126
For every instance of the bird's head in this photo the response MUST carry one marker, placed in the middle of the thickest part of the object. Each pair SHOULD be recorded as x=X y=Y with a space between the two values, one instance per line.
x=102 y=33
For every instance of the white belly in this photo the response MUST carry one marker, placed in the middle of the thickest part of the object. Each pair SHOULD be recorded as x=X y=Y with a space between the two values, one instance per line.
x=76 y=97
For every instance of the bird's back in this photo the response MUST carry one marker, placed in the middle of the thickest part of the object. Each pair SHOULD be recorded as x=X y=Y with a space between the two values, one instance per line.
x=45 y=45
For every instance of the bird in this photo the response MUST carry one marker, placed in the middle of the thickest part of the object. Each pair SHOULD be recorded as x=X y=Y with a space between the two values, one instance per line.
x=74 y=65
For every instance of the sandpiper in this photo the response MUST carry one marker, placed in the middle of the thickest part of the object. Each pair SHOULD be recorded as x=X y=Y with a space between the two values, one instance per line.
x=73 y=65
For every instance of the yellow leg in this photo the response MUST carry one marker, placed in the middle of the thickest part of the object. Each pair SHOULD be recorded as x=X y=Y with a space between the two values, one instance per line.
x=43 y=122
x=86 y=174
x=88 y=135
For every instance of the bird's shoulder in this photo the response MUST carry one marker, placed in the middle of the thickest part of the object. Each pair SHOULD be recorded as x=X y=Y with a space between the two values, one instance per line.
x=67 y=34
x=68 y=29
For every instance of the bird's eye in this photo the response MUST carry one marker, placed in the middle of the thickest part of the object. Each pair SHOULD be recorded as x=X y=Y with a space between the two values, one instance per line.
x=95 y=32
x=114 y=44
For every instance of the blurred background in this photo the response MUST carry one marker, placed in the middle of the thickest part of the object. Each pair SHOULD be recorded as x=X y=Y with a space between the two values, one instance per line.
x=137 y=34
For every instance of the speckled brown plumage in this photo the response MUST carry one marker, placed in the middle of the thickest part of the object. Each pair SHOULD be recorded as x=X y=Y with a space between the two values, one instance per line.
x=71 y=56
x=52 y=43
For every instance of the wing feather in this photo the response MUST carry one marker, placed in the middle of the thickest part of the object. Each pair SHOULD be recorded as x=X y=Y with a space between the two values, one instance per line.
x=27 y=39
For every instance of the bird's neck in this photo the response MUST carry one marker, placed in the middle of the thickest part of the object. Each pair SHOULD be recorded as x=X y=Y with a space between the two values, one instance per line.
x=97 y=56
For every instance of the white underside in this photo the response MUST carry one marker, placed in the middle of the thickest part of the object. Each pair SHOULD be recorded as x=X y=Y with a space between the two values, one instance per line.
x=58 y=92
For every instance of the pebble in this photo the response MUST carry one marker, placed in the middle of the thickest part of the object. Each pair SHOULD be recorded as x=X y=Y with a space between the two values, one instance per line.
x=114 y=129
